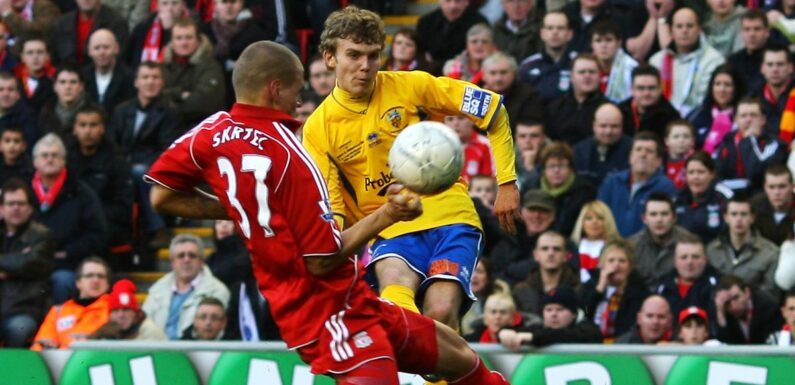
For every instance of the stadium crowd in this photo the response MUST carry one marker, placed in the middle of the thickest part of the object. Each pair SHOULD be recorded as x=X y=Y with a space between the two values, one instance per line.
x=652 y=154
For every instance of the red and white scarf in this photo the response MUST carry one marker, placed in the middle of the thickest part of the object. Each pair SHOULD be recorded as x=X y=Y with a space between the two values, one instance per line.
x=47 y=196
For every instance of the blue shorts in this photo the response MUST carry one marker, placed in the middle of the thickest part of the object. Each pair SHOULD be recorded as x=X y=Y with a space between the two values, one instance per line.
x=448 y=252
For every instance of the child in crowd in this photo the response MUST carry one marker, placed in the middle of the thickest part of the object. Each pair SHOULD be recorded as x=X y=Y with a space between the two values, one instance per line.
x=499 y=311
x=484 y=187
x=679 y=143
x=15 y=162
x=477 y=150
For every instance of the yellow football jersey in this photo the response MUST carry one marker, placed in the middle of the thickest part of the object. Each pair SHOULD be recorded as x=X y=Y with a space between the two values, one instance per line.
x=350 y=139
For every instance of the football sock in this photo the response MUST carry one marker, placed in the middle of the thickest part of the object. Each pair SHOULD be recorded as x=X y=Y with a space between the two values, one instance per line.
x=480 y=375
x=401 y=296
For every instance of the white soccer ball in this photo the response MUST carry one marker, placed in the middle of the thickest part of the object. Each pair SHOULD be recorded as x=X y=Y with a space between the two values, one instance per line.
x=427 y=157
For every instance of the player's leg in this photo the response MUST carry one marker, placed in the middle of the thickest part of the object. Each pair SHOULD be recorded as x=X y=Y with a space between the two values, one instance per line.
x=428 y=346
x=377 y=372
x=442 y=302
x=447 y=289
x=397 y=268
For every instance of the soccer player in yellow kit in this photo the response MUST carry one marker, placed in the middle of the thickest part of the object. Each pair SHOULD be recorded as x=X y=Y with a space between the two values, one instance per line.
x=349 y=136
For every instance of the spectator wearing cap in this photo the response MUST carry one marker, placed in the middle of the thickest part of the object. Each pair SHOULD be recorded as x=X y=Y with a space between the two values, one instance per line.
x=174 y=298
x=784 y=337
x=653 y=324
x=692 y=281
x=613 y=297
x=209 y=322
x=626 y=192
x=560 y=324
x=743 y=315
x=551 y=272
x=694 y=327
x=513 y=254
x=655 y=243
x=25 y=263
x=78 y=318
x=126 y=320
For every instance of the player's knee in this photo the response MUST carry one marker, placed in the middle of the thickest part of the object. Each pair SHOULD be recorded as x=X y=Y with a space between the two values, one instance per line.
x=443 y=310
x=394 y=272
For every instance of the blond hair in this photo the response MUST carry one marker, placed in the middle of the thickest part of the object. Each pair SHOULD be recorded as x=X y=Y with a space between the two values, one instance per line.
x=352 y=23
x=262 y=62
x=600 y=210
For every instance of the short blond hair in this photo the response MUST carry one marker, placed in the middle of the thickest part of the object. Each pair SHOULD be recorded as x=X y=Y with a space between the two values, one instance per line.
x=352 y=23
x=500 y=298
x=262 y=62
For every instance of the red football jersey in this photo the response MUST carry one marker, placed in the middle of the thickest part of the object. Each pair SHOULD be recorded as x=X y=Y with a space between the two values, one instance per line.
x=278 y=200
x=477 y=157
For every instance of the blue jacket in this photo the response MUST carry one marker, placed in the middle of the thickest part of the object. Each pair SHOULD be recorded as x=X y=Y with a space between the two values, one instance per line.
x=551 y=79
x=615 y=190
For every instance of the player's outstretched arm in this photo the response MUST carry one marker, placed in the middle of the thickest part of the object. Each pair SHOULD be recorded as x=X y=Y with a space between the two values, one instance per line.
x=401 y=205
x=186 y=205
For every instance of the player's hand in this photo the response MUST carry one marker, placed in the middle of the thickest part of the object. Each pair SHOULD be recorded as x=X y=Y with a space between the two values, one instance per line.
x=506 y=206
x=402 y=205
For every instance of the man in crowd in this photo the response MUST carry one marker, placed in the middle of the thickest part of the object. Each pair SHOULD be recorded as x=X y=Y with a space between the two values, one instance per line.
x=653 y=325
x=647 y=109
x=209 y=322
x=444 y=29
x=77 y=318
x=174 y=298
x=741 y=251
x=521 y=100
x=615 y=65
x=108 y=81
x=561 y=324
x=530 y=140
x=550 y=271
x=548 y=71
x=149 y=37
x=754 y=31
x=142 y=128
x=607 y=150
x=29 y=17
x=655 y=244
x=777 y=91
x=70 y=209
x=569 y=116
x=743 y=315
x=516 y=33
x=626 y=192
x=194 y=79
x=94 y=160
x=35 y=71
x=25 y=264
x=14 y=111
x=126 y=320
x=775 y=207
x=72 y=29
x=58 y=114
x=687 y=64
x=692 y=281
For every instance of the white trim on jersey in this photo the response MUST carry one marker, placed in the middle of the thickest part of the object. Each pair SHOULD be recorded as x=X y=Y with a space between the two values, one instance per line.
x=320 y=183
x=151 y=180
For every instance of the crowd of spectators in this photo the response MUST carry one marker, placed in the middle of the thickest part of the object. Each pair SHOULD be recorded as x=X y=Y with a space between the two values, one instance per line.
x=652 y=153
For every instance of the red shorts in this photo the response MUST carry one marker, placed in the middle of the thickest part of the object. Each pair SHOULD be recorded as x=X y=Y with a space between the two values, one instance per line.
x=349 y=342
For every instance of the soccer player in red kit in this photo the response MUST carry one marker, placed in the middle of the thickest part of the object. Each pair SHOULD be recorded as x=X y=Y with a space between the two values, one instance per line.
x=265 y=181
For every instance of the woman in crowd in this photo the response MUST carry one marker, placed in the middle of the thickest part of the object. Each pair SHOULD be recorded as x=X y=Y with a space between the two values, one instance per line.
x=613 y=299
x=699 y=205
x=406 y=52
x=560 y=179
x=468 y=65
x=483 y=284
x=714 y=118
x=499 y=311
x=594 y=227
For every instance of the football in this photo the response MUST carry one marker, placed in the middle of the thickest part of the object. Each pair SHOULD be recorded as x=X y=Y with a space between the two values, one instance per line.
x=426 y=157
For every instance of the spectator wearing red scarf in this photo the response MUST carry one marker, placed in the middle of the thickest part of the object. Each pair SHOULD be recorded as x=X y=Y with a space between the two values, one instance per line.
x=69 y=209
x=74 y=28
